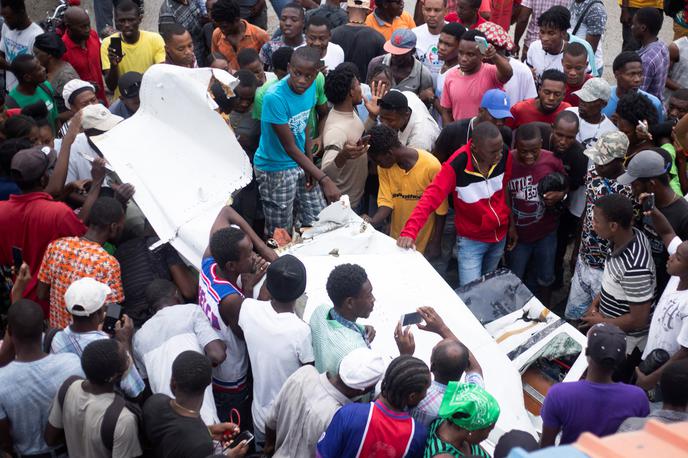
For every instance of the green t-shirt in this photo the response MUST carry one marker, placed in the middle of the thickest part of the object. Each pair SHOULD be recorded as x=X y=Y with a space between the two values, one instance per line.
x=320 y=98
x=44 y=93
x=673 y=171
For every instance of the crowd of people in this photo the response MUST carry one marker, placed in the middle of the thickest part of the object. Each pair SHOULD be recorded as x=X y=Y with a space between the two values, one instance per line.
x=457 y=139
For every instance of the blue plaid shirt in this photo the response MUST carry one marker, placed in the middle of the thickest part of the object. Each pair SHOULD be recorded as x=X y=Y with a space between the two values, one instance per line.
x=67 y=341
x=655 y=57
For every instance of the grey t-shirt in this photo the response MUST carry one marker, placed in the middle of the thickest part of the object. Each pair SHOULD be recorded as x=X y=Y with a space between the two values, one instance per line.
x=26 y=393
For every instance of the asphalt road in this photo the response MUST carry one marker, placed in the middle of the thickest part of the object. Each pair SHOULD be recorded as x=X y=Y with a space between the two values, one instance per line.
x=611 y=42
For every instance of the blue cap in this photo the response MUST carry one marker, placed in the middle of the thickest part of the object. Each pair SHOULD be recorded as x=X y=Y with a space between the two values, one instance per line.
x=497 y=103
x=401 y=42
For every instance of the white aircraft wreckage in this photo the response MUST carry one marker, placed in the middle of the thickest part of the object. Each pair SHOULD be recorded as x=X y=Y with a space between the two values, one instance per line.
x=187 y=163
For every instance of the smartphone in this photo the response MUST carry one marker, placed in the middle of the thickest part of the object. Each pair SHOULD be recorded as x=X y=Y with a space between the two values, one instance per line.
x=643 y=127
x=482 y=44
x=408 y=319
x=112 y=316
x=116 y=45
x=243 y=436
x=649 y=202
x=364 y=140
x=17 y=258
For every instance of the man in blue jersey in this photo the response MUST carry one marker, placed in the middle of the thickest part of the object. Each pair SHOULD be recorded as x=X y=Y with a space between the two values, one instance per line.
x=628 y=71
x=230 y=258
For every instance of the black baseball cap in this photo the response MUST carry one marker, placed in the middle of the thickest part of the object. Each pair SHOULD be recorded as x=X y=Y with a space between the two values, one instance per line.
x=393 y=100
x=606 y=344
x=129 y=84
x=286 y=278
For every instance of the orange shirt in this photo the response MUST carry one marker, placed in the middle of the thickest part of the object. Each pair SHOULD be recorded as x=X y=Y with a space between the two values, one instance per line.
x=405 y=21
x=254 y=37
x=69 y=259
x=644 y=3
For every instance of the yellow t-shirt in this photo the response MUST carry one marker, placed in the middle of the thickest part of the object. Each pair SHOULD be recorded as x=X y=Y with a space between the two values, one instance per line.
x=149 y=50
x=644 y=3
x=401 y=191
x=405 y=21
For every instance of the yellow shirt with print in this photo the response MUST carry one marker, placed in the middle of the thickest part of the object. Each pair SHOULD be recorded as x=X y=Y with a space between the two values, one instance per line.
x=401 y=190
x=643 y=3
x=147 y=51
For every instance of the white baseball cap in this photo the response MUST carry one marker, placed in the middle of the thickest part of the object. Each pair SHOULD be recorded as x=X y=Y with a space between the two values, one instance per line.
x=361 y=368
x=86 y=296
x=98 y=117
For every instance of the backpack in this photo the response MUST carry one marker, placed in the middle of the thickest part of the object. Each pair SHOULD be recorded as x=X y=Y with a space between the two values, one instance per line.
x=107 y=427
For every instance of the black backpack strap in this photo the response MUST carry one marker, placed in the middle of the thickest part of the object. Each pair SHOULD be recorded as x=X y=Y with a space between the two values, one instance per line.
x=582 y=16
x=107 y=427
x=62 y=392
x=48 y=338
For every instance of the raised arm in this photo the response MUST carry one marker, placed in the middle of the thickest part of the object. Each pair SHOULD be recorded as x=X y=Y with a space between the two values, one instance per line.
x=228 y=217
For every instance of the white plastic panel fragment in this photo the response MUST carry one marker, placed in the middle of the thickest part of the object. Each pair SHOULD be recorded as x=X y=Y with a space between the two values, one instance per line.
x=181 y=156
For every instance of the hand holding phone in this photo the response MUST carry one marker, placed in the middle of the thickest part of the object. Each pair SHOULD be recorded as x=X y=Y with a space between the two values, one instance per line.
x=408 y=319
x=115 y=53
x=17 y=258
x=112 y=316
x=243 y=436
x=649 y=202
x=482 y=44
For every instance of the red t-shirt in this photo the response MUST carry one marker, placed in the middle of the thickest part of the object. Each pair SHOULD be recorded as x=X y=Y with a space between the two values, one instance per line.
x=526 y=111
x=570 y=97
x=30 y=222
x=453 y=17
x=86 y=62
x=533 y=219
x=463 y=93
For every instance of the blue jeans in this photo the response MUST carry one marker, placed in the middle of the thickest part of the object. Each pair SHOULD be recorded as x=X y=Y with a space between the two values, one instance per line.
x=477 y=258
x=543 y=251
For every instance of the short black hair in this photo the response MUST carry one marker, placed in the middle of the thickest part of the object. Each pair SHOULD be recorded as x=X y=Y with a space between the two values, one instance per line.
x=553 y=74
x=634 y=107
x=617 y=208
x=105 y=211
x=470 y=35
x=22 y=65
x=405 y=375
x=294 y=6
x=576 y=50
x=345 y=280
x=382 y=140
x=454 y=29
x=673 y=383
x=18 y=6
x=246 y=78
x=158 y=290
x=310 y=55
x=18 y=126
x=527 y=132
x=624 y=58
x=8 y=149
x=381 y=68
x=102 y=361
x=171 y=29
x=569 y=116
x=338 y=83
x=224 y=244
x=557 y=17
x=652 y=18
x=681 y=94
x=226 y=11
x=247 y=56
x=127 y=6
x=192 y=372
x=38 y=111
x=449 y=360
x=318 y=21
x=485 y=131
x=281 y=58
x=25 y=320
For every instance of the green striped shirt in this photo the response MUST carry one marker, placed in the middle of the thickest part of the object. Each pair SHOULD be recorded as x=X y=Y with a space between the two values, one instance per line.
x=436 y=446
x=332 y=341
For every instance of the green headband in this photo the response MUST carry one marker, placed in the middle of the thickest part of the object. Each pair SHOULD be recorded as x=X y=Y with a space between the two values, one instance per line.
x=469 y=406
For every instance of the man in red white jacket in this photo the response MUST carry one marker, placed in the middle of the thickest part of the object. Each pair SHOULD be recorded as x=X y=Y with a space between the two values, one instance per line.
x=477 y=176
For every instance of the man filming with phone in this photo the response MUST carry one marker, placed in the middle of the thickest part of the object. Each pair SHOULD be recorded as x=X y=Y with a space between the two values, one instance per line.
x=131 y=49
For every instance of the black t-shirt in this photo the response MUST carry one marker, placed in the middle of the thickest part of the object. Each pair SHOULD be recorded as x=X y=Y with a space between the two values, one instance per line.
x=172 y=435
x=456 y=135
x=677 y=215
x=575 y=162
x=360 y=45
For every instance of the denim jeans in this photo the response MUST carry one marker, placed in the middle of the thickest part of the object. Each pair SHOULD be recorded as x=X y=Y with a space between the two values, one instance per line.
x=477 y=258
x=542 y=252
x=240 y=401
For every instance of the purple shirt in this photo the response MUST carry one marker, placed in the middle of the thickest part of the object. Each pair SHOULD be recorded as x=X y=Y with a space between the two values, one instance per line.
x=655 y=57
x=599 y=408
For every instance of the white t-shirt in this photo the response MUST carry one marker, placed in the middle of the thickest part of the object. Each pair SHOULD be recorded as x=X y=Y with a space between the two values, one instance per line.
x=541 y=60
x=278 y=345
x=589 y=133
x=426 y=51
x=669 y=326
x=14 y=43
x=521 y=86
x=79 y=167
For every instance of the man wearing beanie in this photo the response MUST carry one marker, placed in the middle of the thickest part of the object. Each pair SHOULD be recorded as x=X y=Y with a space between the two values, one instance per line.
x=278 y=341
